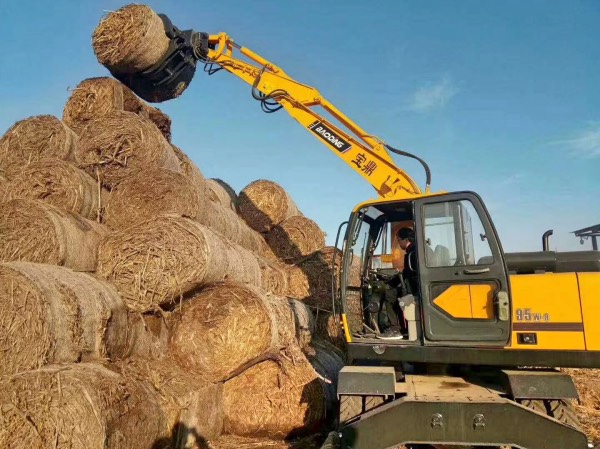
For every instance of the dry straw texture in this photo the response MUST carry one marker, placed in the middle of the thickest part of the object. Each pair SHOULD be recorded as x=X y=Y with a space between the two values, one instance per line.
x=274 y=400
x=236 y=326
x=330 y=329
x=587 y=382
x=51 y=314
x=79 y=406
x=130 y=40
x=295 y=237
x=161 y=120
x=193 y=408
x=3 y=185
x=273 y=276
x=34 y=231
x=227 y=223
x=264 y=204
x=188 y=168
x=119 y=144
x=35 y=138
x=304 y=321
x=147 y=335
x=59 y=183
x=237 y=442
x=152 y=192
x=156 y=262
x=222 y=193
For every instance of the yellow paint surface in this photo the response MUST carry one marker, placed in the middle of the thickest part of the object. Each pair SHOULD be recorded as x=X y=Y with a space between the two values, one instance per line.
x=589 y=285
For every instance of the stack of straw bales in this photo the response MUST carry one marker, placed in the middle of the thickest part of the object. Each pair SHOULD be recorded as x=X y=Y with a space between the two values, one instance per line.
x=142 y=305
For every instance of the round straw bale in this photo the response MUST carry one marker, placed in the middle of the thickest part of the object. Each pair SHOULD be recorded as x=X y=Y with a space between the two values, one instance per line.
x=222 y=193
x=330 y=329
x=59 y=183
x=274 y=400
x=189 y=403
x=156 y=262
x=304 y=320
x=130 y=39
x=327 y=361
x=34 y=138
x=161 y=120
x=227 y=326
x=35 y=231
x=295 y=238
x=153 y=192
x=78 y=406
x=264 y=204
x=3 y=190
x=147 y=335
x=273 y=276
x=51 y=314
x=227 y=223
x=120 y=144
x=188 y=168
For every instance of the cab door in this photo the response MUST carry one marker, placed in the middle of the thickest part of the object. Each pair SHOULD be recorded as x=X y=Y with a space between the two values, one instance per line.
x=464 y=289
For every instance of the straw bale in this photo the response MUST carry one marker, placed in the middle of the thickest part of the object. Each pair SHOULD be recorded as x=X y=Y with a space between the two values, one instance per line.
x=78 y=406
x=226 y=222
x=236 y=442
x=222 y=193
x=158 y=261
x=147 y=335
x=130 y=39
x=295 y=237
x=152 y=192
x=274 y=400
x=330 y=329
x=59 y=183
x=226 y=326
x=327 y=360
x=51 y=314
x=35 y=231
x=3 y=185
x=192 y=406
x=34 y=138
x=161 y=120
x=264 y=204
x=311 y=279
x=121 y=143
x=188 y=168
x=587 y=409
x=273 y=276
x=305 y=322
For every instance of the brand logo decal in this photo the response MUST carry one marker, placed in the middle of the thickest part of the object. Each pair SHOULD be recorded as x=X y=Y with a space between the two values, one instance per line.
x=330 y=136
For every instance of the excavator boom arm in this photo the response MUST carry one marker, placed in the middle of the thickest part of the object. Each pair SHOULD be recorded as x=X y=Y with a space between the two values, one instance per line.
x=364 y=153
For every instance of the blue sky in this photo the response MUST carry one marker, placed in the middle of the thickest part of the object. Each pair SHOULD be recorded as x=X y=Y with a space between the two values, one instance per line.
x=499 y=97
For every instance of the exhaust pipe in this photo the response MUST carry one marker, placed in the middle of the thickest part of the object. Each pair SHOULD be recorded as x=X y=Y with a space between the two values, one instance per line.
x=546 y=239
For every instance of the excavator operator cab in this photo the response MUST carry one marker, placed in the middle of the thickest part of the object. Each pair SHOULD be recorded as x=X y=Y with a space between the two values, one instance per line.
x=463 y=295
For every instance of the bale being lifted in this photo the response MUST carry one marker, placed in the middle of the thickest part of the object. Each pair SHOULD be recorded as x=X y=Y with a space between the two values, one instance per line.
x=264 y=204
x=157 y=262
x=51 y=314
x=78 y=406
x=35 y=138
x=119 y=144
x=34 y=231
x=59 y=183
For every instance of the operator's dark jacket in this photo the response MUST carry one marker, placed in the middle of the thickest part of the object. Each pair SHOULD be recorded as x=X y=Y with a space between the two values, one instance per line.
x=409 y=272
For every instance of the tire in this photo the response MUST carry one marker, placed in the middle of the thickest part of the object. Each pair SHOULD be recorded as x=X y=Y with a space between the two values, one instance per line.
x=353 y=406
x=563 y=412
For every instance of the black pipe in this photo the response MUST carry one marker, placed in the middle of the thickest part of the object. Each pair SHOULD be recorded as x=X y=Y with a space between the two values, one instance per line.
x=545 y=239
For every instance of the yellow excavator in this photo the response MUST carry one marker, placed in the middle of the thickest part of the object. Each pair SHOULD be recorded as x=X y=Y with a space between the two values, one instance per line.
x=483 y=334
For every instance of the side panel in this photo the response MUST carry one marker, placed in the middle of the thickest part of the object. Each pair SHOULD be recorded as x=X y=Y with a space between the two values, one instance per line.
x=547 y=307
x=589 y=290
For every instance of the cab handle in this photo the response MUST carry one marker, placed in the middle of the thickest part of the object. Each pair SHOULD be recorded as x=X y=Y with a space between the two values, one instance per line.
x=477 y=271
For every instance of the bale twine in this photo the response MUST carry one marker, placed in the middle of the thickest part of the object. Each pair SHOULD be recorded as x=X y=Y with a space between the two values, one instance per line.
x=35 y=138
x=147 y=336
x=119 y=144
x=304 y=320
x=152 y=192
x=77 y=406
x=273 y=277
x=51 y=314
x=34 y=231
x=222 y=193
x=264 y=204
x=156 y=262
x=237 y=325
x=191 y=405
x=295 y=237
x=59 y=183
x=130 y=39
x=274 y=400
x=188 y=168
x=227 y=223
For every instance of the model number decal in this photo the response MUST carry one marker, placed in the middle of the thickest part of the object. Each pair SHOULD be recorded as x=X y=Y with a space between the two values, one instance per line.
x=529 y=315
